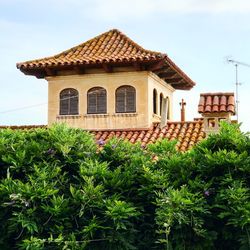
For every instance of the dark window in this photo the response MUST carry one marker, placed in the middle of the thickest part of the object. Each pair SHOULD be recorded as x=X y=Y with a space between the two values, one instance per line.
x=161 y=98
x=168 y=108
x=69 y=102
x=97 y=101
x=155 y=101
x=125 y=98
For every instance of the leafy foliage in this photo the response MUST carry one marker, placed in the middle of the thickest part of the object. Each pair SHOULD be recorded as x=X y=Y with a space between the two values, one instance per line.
x=59 y=191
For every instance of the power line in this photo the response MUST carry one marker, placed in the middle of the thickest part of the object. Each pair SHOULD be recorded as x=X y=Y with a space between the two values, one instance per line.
x=22 y=108
x=35 y=105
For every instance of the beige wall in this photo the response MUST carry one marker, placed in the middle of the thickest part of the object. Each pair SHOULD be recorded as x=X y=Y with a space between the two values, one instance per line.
x=144 y=82
x=154 y=82
x=211 y=121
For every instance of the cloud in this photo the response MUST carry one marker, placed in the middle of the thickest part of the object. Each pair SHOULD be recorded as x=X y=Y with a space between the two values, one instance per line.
x=113 y=9
x=137 y=8
x=205 y=6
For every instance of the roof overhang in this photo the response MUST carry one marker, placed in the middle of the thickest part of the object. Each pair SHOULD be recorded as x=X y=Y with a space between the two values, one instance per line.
x=107 y=51
x=163 y=68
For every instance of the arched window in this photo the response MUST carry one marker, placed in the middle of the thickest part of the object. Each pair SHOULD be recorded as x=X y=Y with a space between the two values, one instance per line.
x=155 y=101
x=168 y=108
x=69 y=102
x=125 y=99
x=161 y=98
x=97 y=101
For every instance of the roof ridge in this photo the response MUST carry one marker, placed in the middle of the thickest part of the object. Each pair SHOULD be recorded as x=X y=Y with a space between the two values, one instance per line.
x=112 y=47
x=177 y=122
x=153 y=126
x=65 y=52
x=216 y=93
x=137 y=45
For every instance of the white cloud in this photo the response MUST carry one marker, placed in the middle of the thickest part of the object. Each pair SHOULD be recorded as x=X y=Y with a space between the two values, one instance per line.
x=209 y=6
x=114 y=10
x=119 y=8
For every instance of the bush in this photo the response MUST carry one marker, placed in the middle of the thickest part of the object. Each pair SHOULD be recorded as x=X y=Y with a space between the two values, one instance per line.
x=59 y=191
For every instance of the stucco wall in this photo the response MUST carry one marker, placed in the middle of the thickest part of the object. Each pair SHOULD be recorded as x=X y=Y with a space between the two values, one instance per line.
x=154 y=82
x=144 y=82
x=110 y=82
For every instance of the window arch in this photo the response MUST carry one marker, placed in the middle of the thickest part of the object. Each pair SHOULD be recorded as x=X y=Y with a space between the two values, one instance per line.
x=125 y=99
x=97 y=101
x=69 y=102
x=155 y=101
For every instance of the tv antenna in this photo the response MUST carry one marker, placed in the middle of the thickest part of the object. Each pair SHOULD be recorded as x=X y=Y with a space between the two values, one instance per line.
x=236 y=64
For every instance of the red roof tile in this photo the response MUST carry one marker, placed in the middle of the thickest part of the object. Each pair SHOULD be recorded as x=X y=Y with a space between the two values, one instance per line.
x=111 y=48
x=23 y=127
x=187 y=134
x=216 y=102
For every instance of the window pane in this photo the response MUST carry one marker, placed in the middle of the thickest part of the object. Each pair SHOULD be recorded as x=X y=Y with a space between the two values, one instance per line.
x=74 y=105
x=68 y=102
x=125 y=99
x=97 y=101
x=120 y=101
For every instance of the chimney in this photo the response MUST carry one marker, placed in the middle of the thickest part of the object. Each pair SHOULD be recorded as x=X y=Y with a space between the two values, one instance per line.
x=215 y=107
x=183 y=112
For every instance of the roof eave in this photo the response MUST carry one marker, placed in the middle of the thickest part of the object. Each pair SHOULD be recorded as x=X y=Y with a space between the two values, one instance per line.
x=167 y=70
x=162 y=65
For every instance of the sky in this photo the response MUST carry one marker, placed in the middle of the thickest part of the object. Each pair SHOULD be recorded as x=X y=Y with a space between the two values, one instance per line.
x=199 y=36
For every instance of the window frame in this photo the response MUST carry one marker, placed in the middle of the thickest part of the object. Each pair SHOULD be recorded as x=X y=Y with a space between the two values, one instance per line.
x=69 y=102
x=100 y=104
x=129 y=99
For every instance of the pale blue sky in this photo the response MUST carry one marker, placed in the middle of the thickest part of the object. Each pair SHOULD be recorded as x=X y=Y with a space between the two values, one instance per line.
x=197 y=35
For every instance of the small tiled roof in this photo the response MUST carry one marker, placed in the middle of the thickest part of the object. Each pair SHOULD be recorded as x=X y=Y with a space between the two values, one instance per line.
x=216 y=102
x=109 y=49
x=187 y=134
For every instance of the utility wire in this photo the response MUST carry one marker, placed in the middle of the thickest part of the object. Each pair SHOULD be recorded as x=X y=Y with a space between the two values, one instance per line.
x=22 y=108
x=35 y=105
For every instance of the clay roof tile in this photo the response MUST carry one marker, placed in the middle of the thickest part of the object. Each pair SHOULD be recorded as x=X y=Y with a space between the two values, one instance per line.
x=110 y=47
x=185 y=138
x=216 y=102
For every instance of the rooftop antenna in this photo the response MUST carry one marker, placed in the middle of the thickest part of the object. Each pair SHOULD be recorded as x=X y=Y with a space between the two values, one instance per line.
x=236 y=64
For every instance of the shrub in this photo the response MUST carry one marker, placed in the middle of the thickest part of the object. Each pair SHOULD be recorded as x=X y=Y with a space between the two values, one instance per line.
x=59 y=191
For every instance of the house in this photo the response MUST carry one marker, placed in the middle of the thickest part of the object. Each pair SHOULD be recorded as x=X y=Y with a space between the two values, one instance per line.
x=111 y=86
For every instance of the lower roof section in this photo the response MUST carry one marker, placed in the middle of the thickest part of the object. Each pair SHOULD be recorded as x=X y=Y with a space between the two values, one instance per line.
x=187 y=134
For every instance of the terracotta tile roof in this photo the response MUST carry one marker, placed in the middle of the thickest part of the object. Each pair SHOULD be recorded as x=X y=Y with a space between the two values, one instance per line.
x=216 y=102
x=110 y=48
x=187 y=134
x=23 y=126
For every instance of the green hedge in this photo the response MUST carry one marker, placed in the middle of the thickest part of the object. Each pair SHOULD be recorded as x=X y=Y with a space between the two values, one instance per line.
x=59 y=191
